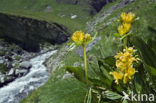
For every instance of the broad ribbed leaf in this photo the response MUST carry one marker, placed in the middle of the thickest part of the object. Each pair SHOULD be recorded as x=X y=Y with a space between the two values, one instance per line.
x=147 y=54
x=111 y=95
x=78 y=73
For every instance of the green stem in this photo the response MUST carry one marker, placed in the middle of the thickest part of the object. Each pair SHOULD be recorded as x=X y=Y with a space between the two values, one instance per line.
x=125 y=42
x=85 y=63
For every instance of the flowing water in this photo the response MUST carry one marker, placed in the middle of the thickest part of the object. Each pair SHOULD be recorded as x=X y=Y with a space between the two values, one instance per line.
x=21 y=87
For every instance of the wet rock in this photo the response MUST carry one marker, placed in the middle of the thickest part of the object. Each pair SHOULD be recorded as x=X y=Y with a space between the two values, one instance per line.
x=11 y=72
x=1 y=61
x=2 y=79
x=9 y=65
x=25 y=65
x=20 y=72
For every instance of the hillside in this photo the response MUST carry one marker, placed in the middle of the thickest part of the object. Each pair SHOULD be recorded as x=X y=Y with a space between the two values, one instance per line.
x=32 y=27
x=64 y=88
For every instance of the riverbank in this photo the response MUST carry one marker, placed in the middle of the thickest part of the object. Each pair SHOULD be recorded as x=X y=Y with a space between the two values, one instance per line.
x=21 y=87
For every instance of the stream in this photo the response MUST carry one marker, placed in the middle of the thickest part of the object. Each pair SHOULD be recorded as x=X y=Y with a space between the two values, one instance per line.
x=21 y=87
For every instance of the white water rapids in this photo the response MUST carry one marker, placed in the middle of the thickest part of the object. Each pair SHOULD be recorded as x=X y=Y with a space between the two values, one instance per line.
x=21 y=87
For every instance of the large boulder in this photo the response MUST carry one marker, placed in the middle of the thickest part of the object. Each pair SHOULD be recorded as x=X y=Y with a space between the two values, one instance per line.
x=28 y=33
x=25 y=65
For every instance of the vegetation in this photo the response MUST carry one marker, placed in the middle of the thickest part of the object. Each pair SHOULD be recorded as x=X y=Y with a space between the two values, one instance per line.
x=48 y=10
x=101 y=62
x=3 y=68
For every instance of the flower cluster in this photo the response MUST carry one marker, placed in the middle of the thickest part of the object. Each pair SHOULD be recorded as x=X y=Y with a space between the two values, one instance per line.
x=124 y=63
x=126 y=23
x=80 y=38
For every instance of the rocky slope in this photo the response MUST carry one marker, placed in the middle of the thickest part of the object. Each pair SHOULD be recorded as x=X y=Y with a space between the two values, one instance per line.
x=23 y=38
x=28 y=33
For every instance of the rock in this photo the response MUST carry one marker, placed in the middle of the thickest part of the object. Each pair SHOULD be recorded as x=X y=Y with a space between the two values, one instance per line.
x=48 y=9
x=76 y=64
x=25 y=65
x=20 y=72
x=1 y=61
x=9 y=65
x=73 y=16
x=28 y=33
x=2 y=78
x=68 y=1
x=66 y=76
x=11 y=72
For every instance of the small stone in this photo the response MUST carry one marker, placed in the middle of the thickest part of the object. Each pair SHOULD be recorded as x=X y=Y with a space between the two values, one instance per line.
x=73 y=16
x=76 y=64
x=66 y=76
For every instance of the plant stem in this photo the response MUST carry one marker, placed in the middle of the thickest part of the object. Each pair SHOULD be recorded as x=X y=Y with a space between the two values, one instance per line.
x=125 y=42
x=85 y=63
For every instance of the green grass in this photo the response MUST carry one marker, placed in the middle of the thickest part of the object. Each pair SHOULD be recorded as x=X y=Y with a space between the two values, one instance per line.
x=107 y=46
x=36 y=9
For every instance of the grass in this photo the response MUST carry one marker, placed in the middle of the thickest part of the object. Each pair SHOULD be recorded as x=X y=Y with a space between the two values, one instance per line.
x=107 y=46
x=36 y=9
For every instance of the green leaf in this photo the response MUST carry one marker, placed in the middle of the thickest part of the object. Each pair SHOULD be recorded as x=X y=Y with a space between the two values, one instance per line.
x=111 y=95
x=116 y=34
x=124 y=101
x=110 y=60
x=152 y=70
x=78 y=73
x=147 y=54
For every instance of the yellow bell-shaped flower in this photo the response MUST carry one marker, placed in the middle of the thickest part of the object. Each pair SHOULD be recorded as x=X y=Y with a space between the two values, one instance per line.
x=78 y=37
x=87 y=38
x=117 y=76
x=127 y=18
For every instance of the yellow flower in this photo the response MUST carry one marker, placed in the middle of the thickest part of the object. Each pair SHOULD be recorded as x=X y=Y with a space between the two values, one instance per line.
x=124 y=63
x=130 y=50
x=123 y=16
x=78 y=37
x=128 y=75
x=121 y=30
x=127 y=18
x=87 y=38
x=117 y=76
x=124 y=28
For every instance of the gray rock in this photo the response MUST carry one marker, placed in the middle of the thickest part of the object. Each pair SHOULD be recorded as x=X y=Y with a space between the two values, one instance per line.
x=48 y=9
x=26 y=65
x=1 y=61
x=73 y=16
x=2 y=79
x=76 y=64
x=12 y=71
x=66 y=76
x=67 y=1
x=21 y=71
